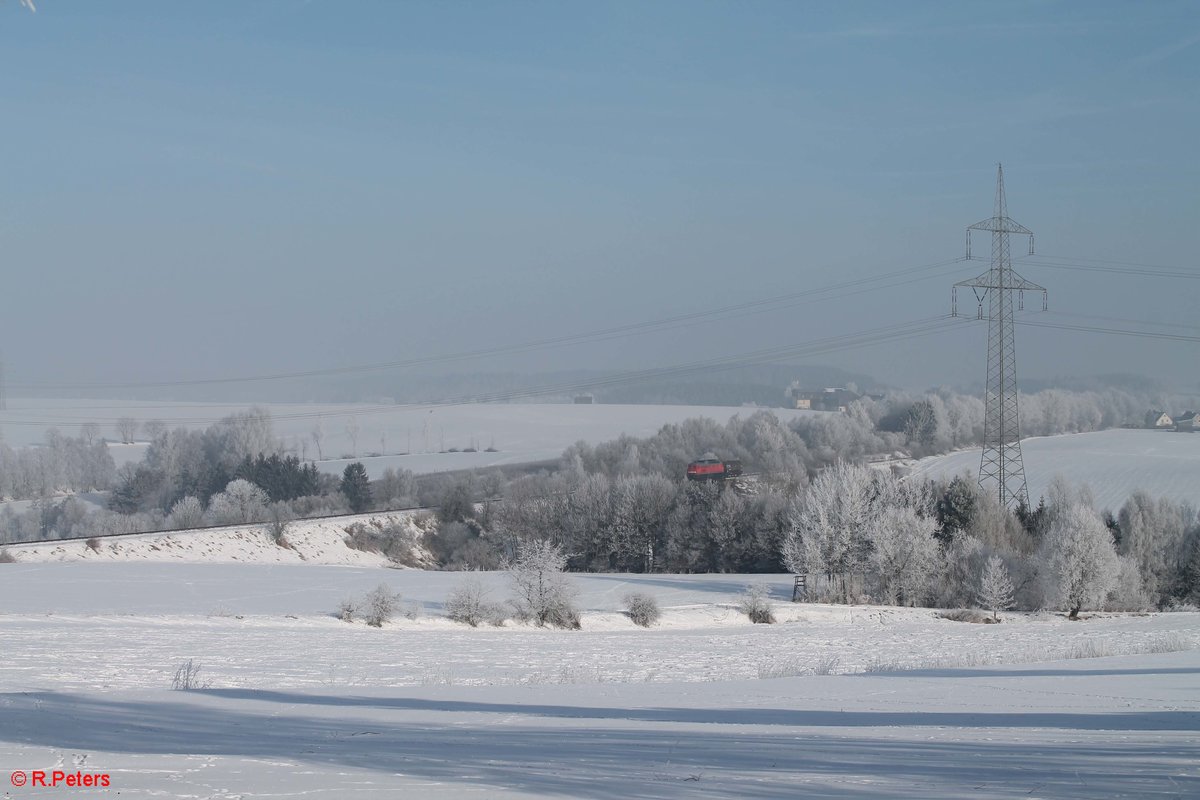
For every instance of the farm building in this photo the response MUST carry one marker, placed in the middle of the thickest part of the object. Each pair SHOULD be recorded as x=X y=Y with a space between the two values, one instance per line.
x=1158 y=419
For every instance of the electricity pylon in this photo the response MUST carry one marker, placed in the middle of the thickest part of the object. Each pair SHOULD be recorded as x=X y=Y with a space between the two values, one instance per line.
x=1002 y=468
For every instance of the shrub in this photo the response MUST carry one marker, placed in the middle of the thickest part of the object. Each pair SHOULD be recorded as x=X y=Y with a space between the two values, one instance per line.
x=965 y=615
x=93 y=544
x=346 y=609
x=458 y=545
x=7 y=557
x=642 y=609
x=390 y=540
x=467 y=602
x=279 y=520
x=187 y=677
x=756 y=605
x=379 y=606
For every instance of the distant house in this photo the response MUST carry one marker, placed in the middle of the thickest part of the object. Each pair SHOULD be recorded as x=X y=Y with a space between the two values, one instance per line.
x=1158 y=419
x=1188 y=422
x=828 y=399
x=585 y=399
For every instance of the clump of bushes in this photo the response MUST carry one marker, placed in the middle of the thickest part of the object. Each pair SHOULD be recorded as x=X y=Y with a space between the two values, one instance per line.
x=378 y=606
x=756 y=605
x=966 y=615
x=389 y=539
x=642 y=609
x=7 y=557
x=462 y=545
x=468 y=603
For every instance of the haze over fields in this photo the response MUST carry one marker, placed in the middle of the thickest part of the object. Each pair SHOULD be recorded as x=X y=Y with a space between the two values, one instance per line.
x=269 y=264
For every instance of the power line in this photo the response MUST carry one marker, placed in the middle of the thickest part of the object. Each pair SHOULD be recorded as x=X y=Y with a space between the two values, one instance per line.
x=774 y=303
x=1141 y=272
x=882 y=335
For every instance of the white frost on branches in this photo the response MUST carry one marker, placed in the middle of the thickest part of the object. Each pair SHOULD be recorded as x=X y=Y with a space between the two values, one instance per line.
x=1080 y=563
x=995 y=587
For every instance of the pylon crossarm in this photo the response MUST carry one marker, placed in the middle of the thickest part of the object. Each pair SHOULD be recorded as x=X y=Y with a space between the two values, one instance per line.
x=1000 y=225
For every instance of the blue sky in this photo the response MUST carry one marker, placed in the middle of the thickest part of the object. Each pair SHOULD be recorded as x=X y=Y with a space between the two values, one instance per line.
x=225 y=188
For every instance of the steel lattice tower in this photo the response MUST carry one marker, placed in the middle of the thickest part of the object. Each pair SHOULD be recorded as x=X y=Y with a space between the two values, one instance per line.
x=1001 y=469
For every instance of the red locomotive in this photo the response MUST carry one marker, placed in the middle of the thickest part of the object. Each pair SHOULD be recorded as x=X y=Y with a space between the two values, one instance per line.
x=710 y=468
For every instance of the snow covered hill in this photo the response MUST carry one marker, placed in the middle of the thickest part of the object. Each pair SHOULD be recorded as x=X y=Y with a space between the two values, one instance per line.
x=1113 y=463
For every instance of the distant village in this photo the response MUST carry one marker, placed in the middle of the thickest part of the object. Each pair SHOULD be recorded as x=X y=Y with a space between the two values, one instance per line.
x=1187 y=422
x=828 y=399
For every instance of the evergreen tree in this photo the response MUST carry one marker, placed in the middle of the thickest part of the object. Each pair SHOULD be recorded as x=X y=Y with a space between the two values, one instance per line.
x=356 y=486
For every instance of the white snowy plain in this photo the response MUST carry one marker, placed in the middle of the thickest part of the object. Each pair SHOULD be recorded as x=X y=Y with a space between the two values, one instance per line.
x=301 y=704
x=1113 y=463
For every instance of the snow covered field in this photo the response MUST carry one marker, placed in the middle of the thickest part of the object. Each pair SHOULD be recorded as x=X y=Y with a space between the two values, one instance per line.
x=1114 y=463
x=703 y=705
x=520 y=433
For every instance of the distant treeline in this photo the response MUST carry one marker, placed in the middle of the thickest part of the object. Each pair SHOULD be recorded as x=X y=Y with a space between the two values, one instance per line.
x=621 y=505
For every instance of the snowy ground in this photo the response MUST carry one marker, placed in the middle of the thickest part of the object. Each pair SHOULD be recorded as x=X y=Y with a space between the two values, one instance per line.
x=703 y=705
x=520 y=433
x=1113 y=463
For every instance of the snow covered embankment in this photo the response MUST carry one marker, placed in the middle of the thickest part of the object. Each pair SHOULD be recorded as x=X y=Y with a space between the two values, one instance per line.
x=321 y=541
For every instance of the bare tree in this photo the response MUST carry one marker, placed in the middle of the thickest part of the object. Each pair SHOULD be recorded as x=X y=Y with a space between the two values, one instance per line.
x=89 y=432
x=352 y=432
x=127 y=429
x=318 y=436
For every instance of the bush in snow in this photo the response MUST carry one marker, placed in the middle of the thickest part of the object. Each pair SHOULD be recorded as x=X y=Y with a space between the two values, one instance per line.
x=386 y=538
x=380 y=605
x=187 y=677
x=995 y=587
x=468 y=603
x=279 y=520
x=7 y=557
x=541 y=592
x=346 y=609
x=756 y=605
x=642 y=609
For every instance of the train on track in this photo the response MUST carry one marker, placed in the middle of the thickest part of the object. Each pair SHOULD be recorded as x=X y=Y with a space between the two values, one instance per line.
x=710 y=468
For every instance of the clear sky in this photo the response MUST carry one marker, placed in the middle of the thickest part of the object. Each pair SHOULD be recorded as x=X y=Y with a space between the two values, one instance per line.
x=227 y=188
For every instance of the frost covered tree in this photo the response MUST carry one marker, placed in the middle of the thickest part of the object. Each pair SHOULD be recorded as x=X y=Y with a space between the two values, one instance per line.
x=188 y=512
x=827 y=535
x=318 y=436
x=1152 y=534
x=542 y=594
x=995 y=587
x=904 y=554
x=241 y=502
x=1079 y=560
